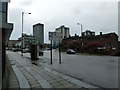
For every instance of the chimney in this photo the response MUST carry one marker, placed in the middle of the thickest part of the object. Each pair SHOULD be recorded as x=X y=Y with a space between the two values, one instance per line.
x=100 y=33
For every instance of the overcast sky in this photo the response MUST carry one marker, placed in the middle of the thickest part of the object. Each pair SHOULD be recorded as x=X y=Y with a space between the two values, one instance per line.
x=96 y=15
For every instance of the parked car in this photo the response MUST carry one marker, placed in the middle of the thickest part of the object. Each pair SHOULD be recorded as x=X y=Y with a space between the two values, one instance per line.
x=48 y=48
x=40 y=53
x=8 y=48
x=26 y=50
x=70 y=51
x=14 y=49
x=19 y=49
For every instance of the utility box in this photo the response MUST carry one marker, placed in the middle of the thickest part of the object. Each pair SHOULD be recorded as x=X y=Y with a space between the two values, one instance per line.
x=34 y=52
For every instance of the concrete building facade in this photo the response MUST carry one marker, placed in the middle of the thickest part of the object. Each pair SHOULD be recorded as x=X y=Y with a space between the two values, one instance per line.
x=5 y=32
x=12 y=43
x=27 y=40
x=65 y=31
x=88 y=33
x=38 y=32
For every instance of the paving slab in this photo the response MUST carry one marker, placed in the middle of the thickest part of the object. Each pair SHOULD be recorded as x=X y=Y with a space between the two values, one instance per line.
x=41 y=81
x=37 y=77
x=21 y=78
x=35 y=85
x=56 y=84
x=13 y=82
x=14 y=86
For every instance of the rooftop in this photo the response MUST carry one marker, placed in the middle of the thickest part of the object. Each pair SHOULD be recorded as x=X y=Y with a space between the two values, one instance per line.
x=38 y=24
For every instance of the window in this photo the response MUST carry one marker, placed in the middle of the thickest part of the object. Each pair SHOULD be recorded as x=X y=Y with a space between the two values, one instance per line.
x=108 y=44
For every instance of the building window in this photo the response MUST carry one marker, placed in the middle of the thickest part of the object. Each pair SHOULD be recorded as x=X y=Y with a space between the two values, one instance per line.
x=108 y=44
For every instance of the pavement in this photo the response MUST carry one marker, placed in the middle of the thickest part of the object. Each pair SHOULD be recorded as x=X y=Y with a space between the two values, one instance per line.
x=24 y=74
x=101 y=71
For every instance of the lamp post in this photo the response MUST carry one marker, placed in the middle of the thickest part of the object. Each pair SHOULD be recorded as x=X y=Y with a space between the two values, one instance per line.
x=81 y=27
x=22 y=33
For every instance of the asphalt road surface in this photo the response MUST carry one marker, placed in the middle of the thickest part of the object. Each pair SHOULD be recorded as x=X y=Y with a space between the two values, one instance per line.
x=97 y=70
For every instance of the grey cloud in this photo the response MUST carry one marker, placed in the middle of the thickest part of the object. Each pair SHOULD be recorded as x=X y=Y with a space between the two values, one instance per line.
x=15 y=18
x=94 y=16
x=25 y=3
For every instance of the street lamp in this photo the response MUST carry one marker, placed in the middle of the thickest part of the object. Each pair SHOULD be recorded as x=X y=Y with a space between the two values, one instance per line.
x=81 y=35
x=22 y=32
x=81 y=27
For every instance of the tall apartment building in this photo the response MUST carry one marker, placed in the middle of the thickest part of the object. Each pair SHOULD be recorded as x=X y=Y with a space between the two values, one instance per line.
x=64 y=31
x=38 y=32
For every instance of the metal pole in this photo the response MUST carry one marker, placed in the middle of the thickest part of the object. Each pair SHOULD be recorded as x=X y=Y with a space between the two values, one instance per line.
x=81 y=29
x=22 y=36
x=59 y=54
x=81 y=36
x=51 y=52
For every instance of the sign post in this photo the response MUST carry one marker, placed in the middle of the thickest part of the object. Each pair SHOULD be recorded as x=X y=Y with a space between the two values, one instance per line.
x=59 y=38
x=59 y=54
x=50 y=38
x=51 y=52
x=55 y=36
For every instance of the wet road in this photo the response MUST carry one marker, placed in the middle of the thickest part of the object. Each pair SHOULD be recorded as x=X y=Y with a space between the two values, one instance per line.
x=98 y=70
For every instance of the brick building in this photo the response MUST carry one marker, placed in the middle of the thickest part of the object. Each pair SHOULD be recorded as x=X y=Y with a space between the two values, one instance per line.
x=102 y=43
x=119 y=48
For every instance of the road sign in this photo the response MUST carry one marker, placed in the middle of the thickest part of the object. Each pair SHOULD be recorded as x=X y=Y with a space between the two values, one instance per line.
x=50 y=35
x=55 y=36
